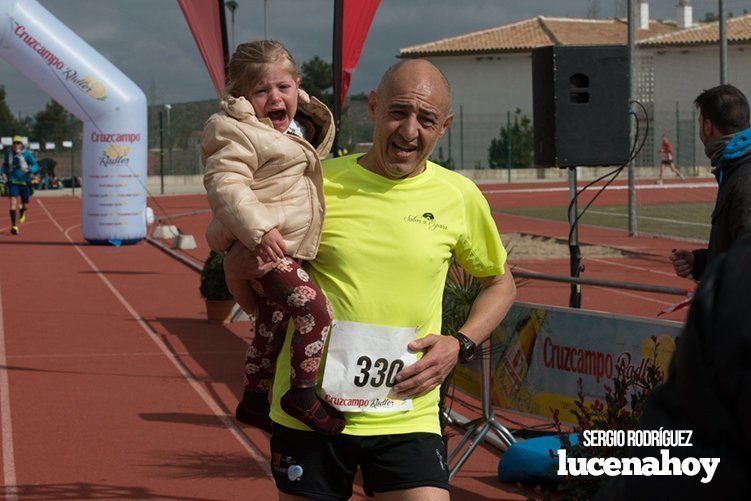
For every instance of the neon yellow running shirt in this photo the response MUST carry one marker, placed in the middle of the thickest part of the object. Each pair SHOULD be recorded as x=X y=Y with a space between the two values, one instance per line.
x=384 y=254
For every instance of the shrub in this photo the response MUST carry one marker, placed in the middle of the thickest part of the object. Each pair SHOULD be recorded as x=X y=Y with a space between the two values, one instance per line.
x=623 y=406
x=213 y=285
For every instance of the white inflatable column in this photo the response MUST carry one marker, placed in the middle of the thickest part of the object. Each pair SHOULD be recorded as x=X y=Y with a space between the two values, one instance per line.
x=111 y=107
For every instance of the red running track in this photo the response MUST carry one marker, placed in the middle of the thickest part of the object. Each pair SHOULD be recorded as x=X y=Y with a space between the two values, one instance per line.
x=112 y=385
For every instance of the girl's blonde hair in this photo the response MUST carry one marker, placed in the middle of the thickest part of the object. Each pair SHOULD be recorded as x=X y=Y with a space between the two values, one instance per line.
x=252 y=61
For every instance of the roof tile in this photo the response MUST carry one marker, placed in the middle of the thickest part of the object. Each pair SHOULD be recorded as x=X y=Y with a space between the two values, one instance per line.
x=541 y=31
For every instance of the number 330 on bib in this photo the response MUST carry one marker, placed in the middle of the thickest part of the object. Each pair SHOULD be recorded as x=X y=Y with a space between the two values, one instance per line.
x=361 y=366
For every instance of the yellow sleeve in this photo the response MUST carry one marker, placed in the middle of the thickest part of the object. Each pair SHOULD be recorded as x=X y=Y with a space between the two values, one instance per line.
x=479 y=249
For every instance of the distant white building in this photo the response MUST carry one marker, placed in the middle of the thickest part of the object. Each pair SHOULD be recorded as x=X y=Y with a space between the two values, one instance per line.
x=490 y=72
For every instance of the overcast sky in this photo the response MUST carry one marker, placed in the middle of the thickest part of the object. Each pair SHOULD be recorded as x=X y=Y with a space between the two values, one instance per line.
x=150 y=42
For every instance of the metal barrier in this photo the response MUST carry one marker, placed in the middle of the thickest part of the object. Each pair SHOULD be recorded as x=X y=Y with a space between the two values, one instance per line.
x=662 y=289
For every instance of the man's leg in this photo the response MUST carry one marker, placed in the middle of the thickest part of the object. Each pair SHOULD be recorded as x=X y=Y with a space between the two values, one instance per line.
x=411 y=466
x=415 y=494
x=13 y=209
x=283 y=496
x=308 y=465
x=25 y=194
x=675 y=170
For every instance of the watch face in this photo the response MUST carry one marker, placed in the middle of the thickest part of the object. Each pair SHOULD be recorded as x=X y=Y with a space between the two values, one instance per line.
x=470 y=350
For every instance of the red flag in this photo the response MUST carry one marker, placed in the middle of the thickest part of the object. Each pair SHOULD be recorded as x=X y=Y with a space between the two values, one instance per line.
x=358 y=16
x=205 y=21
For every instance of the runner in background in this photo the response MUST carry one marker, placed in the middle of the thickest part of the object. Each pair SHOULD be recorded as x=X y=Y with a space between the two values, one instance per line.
x=666 y=150
x=18 y=163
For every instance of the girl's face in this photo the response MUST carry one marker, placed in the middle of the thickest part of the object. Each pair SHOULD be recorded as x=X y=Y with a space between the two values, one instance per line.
x=275 y=97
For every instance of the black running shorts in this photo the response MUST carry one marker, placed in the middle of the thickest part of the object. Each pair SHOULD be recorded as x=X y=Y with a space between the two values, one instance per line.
x=323 y=467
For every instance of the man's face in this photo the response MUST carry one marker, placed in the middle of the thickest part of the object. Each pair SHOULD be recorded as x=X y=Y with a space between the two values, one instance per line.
x=706 y=129
x=410 y=114
x=17 y=147
x=275 y=97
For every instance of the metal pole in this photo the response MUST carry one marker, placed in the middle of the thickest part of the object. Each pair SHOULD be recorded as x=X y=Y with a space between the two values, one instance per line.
x=233 y=30
x=660 y=289
x=265 y=19
x=161 y=152
x=677 y=134
x=168 y=107
x=693 y=138
x=73 y=170
x=508 y=140
x=632 y=232
x=461 y=136
x=575 y=297
x=723 y=45
x=232 y=5
x=337 y=67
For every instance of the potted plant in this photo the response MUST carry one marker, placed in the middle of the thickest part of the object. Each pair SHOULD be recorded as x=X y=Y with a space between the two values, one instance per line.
x=219 y=301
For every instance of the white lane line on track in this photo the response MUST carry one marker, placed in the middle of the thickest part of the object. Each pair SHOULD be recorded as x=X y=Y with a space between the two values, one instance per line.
x=629 y=294
x=630 y=266
x=619 y=187
x=100 y=355
x=249 y=446
x=6 y=426
x=650 y=218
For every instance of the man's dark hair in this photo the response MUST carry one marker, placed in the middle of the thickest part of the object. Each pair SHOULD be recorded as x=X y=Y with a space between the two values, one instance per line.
x=726 y=107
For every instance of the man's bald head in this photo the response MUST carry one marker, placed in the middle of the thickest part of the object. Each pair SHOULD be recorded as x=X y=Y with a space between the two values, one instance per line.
x=414 y=70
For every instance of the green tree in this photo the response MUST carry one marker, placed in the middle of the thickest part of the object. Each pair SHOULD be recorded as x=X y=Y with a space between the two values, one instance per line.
x=7 y=120
x=55 y=124
x=514 y=147
x=317 y=79
x=709 y=17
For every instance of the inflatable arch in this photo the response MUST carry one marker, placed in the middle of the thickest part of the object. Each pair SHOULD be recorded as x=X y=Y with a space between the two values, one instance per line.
x=111 y=107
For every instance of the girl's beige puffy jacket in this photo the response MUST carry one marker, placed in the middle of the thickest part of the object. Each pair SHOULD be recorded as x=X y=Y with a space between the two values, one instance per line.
x=257 y=178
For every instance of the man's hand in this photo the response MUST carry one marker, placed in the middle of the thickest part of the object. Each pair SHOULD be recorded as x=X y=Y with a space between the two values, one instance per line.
x=272 y=247
x=441 y=355
x=240 y=266
x=683 y=262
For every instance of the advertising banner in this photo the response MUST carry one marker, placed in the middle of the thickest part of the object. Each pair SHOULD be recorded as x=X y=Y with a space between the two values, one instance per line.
x=111 y=107
x=540 y=352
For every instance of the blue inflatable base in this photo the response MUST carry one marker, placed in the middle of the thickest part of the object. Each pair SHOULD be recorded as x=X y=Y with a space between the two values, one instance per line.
x=530 y=462
x=114 y=242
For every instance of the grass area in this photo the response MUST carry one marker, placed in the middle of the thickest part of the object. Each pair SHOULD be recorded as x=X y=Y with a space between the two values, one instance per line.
x=688 y=220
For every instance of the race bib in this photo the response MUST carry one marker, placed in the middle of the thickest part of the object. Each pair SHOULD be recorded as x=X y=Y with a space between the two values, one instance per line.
x=361 y=366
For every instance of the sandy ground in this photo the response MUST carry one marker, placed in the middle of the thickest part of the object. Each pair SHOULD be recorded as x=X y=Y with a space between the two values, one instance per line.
x=523 y=247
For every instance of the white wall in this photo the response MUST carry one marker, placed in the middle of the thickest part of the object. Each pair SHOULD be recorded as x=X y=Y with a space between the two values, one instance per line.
x=486 y=87
x=681 y=74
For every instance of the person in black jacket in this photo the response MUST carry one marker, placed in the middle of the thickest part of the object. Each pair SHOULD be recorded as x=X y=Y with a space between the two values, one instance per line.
x=724 y=130
x=707 y=391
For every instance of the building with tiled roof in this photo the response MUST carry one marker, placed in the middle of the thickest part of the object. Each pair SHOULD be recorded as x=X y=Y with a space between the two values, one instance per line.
x=490 y=73
x=541 y=31
x=738 y=31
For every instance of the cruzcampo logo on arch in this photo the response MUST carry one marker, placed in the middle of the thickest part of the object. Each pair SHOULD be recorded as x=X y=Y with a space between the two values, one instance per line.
x=87 y=84
x=97 y=90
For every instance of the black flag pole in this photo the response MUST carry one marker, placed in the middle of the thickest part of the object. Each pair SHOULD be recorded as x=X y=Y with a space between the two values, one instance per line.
x=225 y=43
x=337 y=67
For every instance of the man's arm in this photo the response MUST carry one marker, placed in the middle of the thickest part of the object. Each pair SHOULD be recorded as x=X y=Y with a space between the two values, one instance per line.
x=442 y=352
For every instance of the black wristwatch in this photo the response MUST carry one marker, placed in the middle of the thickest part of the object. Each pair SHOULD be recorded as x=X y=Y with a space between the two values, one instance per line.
x=467 y=348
